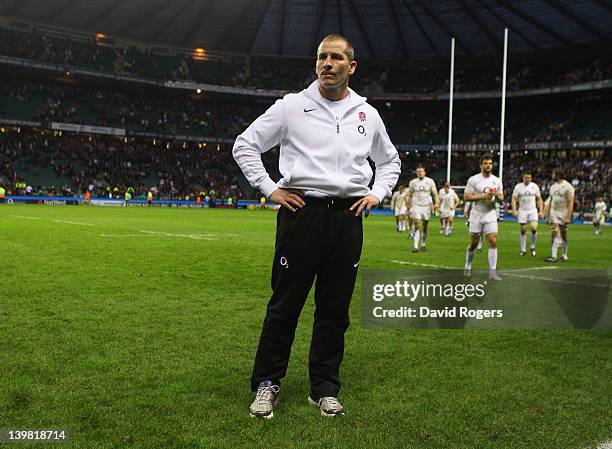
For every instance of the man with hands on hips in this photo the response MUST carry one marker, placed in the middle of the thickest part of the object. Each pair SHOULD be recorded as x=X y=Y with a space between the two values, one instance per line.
x=326 y=134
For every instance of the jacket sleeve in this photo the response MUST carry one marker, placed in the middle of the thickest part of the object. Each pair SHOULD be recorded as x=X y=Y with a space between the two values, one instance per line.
x=387 y=161
x=262 y=135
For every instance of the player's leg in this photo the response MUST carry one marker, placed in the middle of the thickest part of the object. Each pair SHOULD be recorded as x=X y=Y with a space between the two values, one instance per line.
x=523 y=238
x=424 y=234
x=480 y=242
x=491 y=236
x=449 y=221
x=555 y=241
x=416 y=238
x=563 y=232
x=475 y=230
x=534 y=236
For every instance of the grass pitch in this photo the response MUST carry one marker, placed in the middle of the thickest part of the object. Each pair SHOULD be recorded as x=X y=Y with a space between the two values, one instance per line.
x=136 y=327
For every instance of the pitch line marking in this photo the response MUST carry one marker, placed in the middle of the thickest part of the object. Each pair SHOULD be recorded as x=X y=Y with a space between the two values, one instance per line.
x=561 y=281
x=606 y=445
x=430 y=265
x=187 y=236
x=72 y=222
x=23 y=216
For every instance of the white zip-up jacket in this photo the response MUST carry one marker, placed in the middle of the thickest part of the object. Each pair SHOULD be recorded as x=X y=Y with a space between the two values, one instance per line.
x=320 y=155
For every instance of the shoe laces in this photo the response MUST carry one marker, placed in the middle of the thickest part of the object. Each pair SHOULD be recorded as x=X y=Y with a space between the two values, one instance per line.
x=265 y=393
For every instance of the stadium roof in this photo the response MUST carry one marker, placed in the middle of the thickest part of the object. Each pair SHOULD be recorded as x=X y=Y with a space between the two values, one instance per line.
x=378 y=28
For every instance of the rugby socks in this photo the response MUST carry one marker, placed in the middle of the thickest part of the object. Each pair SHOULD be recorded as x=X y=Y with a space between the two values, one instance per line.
x=415 y=240
x=424 y=237
x=524 y=243
x=555 y=246
x=492 y=258
x=564 y=248
x=469 y=257
x=534 y=237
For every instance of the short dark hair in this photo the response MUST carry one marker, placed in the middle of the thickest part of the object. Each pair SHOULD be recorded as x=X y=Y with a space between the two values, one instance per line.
x=486 y=157
x=350 y=50
x=558 y=171
x=527 y=172
x=420 y=166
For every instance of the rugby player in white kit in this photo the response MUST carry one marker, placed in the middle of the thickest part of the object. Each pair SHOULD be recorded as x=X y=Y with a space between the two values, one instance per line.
x=419 y=200
x=447 y=205
x=483 y=190
x=398 y=205
x=527 y=196
x=559 y=210
x=599 y=214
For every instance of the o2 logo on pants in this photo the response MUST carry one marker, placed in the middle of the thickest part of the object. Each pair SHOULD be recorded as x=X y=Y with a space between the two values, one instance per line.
x=284 y=262
x=361 y=129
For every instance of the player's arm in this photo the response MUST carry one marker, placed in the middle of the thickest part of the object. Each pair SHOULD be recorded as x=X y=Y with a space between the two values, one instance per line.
x=570 y=209
x=436 y=197
x=456 y=202
x=393 y=201
x=540 y=205
x=469 y=194
x=514 y=211
x=499 y=195
x=409 y=198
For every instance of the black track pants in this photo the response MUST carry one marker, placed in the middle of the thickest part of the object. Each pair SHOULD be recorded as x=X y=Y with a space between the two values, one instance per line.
x=323 y=239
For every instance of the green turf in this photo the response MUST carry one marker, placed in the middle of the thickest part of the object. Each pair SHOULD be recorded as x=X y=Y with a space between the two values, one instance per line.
x=148 y=342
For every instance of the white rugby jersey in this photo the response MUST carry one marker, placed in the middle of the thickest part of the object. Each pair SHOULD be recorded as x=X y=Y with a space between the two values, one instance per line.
x=448 y=199
x=481 y=184
x=422 y=190
x=600 y=208
x=561 y=193
x=396 y=200
x=526 y=195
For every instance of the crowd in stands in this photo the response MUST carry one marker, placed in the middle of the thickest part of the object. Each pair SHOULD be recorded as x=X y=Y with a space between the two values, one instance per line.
x=102 y=163
x=581 y=116
x=293 y=73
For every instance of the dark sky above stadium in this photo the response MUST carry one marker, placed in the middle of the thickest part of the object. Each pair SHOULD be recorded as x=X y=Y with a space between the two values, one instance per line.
x=378 y=28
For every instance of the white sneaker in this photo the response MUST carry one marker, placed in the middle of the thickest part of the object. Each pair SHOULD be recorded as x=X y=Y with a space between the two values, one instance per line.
x=329 y=406
x=265 y=400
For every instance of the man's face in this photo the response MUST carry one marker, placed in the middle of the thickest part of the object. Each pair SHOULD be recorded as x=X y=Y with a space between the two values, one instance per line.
x=333 y=66
x=486 y=166
x=420 y=173
x=555 y=176
x=526 y=179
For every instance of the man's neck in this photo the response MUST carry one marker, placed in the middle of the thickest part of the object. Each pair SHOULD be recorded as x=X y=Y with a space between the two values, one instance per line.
x=485 y=174
x=334 y=93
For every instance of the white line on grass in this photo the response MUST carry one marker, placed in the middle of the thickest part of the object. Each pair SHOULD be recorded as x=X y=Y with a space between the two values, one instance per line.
x=23 y=216
x=403 y=262
x=607 y=445
x=187 y=236
x=561 y=281
x=73 y=222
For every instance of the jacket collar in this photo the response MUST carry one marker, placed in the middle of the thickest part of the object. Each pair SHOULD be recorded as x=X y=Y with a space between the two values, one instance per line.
x=313 y=93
